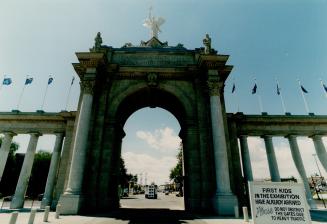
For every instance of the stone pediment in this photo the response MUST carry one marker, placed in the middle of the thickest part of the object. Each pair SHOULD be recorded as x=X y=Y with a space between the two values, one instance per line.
x=154 y=42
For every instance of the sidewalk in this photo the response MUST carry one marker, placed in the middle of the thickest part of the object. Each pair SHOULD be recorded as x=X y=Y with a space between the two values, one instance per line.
x=24 y=216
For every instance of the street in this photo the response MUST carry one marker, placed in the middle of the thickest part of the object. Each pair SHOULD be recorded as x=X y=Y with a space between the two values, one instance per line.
x=163 y=201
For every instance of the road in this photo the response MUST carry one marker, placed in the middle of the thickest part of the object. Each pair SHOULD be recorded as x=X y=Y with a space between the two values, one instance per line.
x=163 y=201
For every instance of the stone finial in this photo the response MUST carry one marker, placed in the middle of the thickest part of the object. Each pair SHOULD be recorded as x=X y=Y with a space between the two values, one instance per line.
x=207 y=44
x=153 y=24
x=97 y=42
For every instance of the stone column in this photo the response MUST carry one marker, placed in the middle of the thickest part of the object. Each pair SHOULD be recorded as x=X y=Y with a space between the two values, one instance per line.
x=55 y=158
x=4 y=151
x=320 y=150
x=272 y=162
x=72 y=197
x=25 y=173
x=246 y=160
x=225 y=200
x=300 y=168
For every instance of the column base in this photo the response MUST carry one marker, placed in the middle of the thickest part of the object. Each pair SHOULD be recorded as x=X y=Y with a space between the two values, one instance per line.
x=70 y=204
x=45 y=202
x=224 y=204
x=17 y=203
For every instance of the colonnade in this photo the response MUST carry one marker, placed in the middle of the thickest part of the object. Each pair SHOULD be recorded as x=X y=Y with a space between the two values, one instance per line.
x=56 y=125
x=272 y=161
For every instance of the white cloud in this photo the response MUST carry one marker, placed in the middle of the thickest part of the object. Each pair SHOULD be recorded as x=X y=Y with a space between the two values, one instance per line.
x=165 y=140
x=157 y=170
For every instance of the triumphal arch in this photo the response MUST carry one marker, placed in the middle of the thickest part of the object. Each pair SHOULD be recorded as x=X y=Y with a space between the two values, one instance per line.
x=115 y=82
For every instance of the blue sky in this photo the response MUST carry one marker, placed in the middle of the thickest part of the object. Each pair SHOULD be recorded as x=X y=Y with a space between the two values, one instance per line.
x=265 y=40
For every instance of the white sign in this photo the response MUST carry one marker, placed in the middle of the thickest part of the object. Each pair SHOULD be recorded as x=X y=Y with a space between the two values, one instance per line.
x=278 y=202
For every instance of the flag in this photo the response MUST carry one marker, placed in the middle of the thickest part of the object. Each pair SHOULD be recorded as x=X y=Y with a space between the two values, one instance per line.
x=254 y=89
x=50 y=80
x=325 y=87
x=7 y=81
x=303 y=89
x=278 y=90
x=233 y=89
x=28 y=81
x=72 y=81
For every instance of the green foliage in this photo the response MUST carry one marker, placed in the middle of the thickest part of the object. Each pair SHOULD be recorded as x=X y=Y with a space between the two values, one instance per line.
x=39 y=174
x=11 y=172
x=176 y=174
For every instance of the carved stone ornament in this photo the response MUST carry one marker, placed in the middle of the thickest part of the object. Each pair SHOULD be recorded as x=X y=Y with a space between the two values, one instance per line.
x=152 y=79
x=207 y=44
x=87 y=86
x=214 y=87
x=97 y=43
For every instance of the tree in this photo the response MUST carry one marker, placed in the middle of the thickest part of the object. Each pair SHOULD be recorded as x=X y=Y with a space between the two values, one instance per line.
x=39 y=173
x=11 y=171
x=176 y=173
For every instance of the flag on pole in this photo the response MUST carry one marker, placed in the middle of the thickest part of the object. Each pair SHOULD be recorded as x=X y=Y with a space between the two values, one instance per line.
x=303 y=89
x=50 y=80
x=278 y=90
x=254 y=89
x=233 y=89
x=28 y=81
x=7 y=81
x=72 y=81
x=325 y=87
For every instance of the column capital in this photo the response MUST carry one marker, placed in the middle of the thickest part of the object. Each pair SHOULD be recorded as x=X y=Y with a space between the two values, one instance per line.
x=87 y=86
x=266 y=136
x=291 y=136
x=214 y=87
x=35 y=133
x=59 y=134
x=316 y=136
x=9 y=133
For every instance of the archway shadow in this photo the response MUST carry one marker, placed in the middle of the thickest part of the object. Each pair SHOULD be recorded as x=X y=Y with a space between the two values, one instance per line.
x=151 y=216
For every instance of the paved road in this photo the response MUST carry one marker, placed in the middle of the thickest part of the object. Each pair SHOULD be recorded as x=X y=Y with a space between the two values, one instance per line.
x=163 y=201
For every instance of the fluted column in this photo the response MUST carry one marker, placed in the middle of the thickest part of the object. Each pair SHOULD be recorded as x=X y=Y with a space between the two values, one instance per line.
x=225 y=199
x=55 y=158
x=4 y=150
x=272 y=162
x=300 y=168
x=246 y=160
x=25 y=173
x=320 y=150
x=72 y=196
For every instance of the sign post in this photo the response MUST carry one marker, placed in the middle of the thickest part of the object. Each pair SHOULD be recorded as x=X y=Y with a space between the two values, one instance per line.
x=278 y=202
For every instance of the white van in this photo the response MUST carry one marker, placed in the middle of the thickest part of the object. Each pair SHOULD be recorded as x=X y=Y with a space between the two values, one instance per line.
x=151 y=191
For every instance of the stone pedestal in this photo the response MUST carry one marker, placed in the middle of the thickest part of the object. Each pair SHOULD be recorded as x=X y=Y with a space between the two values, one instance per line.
x=70 y=204
x=272 y=162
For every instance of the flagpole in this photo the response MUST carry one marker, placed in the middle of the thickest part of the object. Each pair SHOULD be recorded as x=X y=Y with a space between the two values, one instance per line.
x=21 y=94
x=46 y=91
x=322 y=84
x=236 y=97
x=281 y=96
x=304 y=99
x=259 y=97
x=68 y=95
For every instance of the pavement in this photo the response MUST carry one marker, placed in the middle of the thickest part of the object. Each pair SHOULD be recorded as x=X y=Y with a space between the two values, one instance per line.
x=137 y=210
